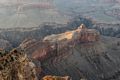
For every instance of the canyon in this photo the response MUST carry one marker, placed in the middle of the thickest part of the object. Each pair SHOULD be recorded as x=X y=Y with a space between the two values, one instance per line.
x=60 y=40
x=78 y=52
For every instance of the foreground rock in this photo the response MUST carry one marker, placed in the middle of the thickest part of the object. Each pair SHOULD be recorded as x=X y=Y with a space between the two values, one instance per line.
x=16 y=66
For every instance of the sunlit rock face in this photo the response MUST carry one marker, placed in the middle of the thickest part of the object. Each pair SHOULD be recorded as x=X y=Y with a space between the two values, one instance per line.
x=82 y=34
x=15 y=65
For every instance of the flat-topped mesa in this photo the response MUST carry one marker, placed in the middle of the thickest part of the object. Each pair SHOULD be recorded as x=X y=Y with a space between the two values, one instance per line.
x=82 y=34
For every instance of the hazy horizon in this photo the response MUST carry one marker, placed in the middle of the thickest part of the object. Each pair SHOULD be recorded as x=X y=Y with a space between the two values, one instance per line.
x=32 y=13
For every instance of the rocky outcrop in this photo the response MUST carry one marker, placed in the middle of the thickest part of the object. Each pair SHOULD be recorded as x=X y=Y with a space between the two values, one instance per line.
x=15 y=65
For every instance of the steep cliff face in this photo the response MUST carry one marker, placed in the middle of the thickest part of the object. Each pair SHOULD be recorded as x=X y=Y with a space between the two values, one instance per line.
x=16 y=66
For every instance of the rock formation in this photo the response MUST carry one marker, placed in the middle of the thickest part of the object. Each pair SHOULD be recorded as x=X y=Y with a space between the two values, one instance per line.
x=15 y=65
x=64 y=40
x=57 y=45
x=82 y=34
x=81 y=53
x=44 y=48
